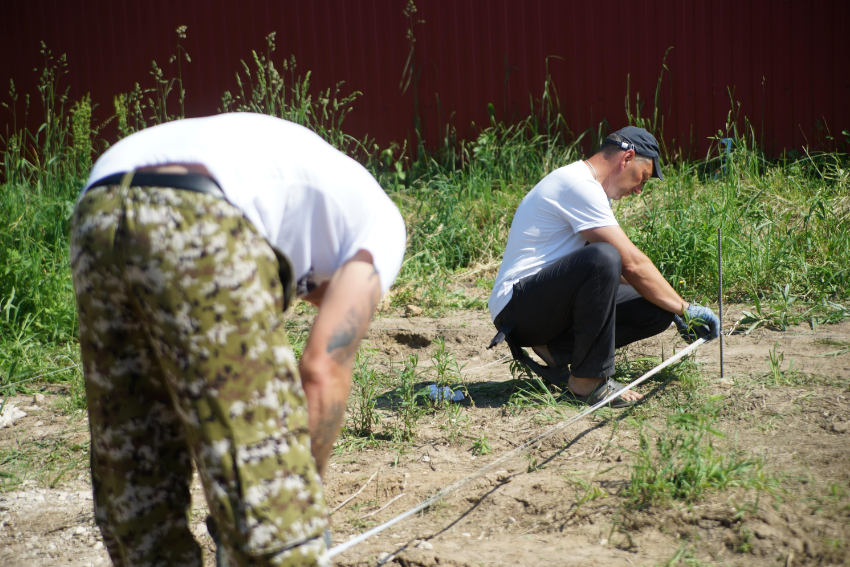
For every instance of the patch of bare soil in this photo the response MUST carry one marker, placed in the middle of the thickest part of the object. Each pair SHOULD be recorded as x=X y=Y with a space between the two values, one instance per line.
x=563 y=504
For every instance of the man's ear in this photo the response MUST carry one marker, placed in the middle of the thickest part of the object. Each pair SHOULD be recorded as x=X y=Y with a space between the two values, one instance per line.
x=625 y=158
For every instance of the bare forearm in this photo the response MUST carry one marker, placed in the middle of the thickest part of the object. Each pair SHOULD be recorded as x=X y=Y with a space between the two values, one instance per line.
x=326 y=397
x=642 y=274
x=638 y=270
x=347 y=305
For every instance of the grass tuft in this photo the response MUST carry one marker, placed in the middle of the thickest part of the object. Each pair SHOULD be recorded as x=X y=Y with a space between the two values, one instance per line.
x=683 y=463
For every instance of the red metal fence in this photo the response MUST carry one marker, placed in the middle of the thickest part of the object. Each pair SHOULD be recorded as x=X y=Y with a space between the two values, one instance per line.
x=785 y=61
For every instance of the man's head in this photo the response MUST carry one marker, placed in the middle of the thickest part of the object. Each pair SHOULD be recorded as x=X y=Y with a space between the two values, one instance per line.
x=635 y=153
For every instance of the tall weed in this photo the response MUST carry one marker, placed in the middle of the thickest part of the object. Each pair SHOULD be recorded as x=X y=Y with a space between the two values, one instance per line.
x=786 y=222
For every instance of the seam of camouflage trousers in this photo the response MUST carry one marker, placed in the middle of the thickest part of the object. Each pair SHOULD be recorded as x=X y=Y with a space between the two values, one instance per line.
x=185 y=352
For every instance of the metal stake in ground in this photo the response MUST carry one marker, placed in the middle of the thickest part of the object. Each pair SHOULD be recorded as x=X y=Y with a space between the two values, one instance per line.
x=510 y=455
x=720 y=293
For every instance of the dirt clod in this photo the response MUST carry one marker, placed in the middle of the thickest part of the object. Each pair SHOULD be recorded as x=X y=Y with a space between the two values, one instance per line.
x=413 y=311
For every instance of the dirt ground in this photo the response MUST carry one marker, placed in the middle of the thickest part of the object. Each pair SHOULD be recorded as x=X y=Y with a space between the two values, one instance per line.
x=536 y=512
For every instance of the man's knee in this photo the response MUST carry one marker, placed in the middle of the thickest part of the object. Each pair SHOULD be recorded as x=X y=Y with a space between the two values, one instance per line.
x=605 y=257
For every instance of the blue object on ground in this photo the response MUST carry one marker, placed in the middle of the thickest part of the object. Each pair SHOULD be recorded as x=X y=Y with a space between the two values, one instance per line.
x=445 y=393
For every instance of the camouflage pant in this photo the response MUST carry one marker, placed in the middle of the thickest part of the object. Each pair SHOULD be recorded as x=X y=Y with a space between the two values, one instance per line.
x=185 y=356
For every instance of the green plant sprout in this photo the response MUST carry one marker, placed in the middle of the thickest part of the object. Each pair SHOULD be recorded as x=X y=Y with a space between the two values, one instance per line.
x=366 y=388
x=409 y=409
x=481 y=446
x=448 y=373
x=777 y=375
x=456 y=421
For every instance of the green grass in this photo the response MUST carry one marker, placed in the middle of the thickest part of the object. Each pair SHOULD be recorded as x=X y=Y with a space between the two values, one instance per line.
x=786 y=226
x=45 y=461
x=684 y=556
x=684 y=461
x=366 y=384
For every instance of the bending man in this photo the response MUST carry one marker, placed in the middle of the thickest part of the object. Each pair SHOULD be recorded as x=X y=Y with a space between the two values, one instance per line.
x=186 y=246
x=573 y=286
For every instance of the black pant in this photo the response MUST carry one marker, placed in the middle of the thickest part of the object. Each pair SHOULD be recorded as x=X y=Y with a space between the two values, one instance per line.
x=571 y=308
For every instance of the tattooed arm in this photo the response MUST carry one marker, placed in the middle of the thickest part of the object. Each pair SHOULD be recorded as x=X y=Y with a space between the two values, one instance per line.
x=347 y=305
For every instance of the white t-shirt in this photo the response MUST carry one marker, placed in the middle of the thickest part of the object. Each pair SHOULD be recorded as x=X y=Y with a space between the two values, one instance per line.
x=311 y=202
x=547 y=226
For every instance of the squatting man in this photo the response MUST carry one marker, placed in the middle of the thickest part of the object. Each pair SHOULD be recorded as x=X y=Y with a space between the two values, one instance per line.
x=187 y=243
x=573 y=287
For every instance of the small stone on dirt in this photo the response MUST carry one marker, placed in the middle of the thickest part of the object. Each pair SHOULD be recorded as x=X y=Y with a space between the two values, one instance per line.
x=841 y=426
x=385 y=557
x=38 y=398
x=9 y=415
x=511 y=520
x=413 y=311
x=427 y=545
x=465 y=534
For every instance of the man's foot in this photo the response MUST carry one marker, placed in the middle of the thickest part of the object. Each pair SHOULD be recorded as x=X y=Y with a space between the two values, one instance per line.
x=585 y=386
x=603 y=390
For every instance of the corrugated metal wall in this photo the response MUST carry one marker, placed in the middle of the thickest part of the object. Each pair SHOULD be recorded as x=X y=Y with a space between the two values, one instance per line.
x=786 y=61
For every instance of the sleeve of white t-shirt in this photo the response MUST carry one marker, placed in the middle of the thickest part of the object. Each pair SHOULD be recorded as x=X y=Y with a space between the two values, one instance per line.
x=372 y=222
x=385 y=239
x=584 y=205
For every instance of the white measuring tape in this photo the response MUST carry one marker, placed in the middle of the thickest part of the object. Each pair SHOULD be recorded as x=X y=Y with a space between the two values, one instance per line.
x=510 y=455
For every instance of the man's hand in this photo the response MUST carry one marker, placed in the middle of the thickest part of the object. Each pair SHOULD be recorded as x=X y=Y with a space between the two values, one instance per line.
x=701 y=321
x=347 y=305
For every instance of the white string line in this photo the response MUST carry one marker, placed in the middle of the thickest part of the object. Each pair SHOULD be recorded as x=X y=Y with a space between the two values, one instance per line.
x=420 y=330
x=390 y=328
x=508 y=456
x=80 y=364
x=353 y=496
x=42 y=376
x=382 y=507
x=486 y=365
x=779 y=335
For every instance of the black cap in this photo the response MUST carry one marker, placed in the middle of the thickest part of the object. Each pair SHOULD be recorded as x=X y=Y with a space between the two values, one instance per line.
x=642 y=142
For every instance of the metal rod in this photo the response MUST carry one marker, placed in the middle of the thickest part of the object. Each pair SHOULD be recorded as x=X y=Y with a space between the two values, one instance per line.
x=720 y=292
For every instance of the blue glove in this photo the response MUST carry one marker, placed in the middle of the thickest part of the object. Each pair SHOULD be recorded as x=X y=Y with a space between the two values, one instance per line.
x=703 y=323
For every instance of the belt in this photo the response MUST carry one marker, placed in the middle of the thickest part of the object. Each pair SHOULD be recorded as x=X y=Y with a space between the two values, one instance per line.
x=188 y=181
x=201 y=184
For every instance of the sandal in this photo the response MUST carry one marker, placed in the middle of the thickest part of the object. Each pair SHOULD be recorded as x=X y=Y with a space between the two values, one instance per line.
x=602 y=391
